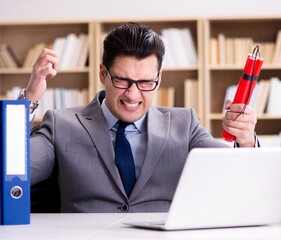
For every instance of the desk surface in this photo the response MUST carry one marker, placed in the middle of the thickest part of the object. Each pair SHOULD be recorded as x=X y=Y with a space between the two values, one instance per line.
x=109 y=226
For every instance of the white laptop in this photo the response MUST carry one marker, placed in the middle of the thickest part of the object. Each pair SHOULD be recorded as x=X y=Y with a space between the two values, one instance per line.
x=225 y=187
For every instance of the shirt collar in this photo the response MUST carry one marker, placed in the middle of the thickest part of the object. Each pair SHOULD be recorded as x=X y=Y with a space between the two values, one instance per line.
x=111 y=119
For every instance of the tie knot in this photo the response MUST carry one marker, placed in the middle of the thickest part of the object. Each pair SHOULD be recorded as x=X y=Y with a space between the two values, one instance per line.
x=122 y=124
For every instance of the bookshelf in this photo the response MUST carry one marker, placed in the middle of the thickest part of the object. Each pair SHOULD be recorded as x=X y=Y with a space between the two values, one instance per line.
x=212 y=73
x=23 y=36
x=173 y=75
x=220 y=72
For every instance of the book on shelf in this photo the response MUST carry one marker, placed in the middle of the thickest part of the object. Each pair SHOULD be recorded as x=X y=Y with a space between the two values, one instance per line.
x=231 y=91
x=72 y=51
x=67 y=51
x=169 y=59
x=221 y=48
x=267 y=51
x=54 y=98
x=84 y=51
x=8 y=58
x=262 y=96
x=165 y=97
x=32 y=55
x=274 y=98
x=229 y=50
x=213 y=51
x=189 y=47
x=226 y=50
x=270 y=140
x=242 y=47
x=277 y=50
x=176 y=43
x=12 y=93
x=229 y=95
x=58 y=46
x=191 y=94
x=180 y=48
x=57 y=98
x=266 y=96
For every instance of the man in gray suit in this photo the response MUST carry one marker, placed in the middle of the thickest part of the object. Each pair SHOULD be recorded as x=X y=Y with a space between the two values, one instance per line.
x=78 y=143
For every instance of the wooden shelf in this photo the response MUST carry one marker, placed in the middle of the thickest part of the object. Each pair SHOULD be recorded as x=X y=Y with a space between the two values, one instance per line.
x=213 y=79
x=219 y=76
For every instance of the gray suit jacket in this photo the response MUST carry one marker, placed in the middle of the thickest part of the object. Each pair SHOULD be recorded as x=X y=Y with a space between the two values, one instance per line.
x=77 y=144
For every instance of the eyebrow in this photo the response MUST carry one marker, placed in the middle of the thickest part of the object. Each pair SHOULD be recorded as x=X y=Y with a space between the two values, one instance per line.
x=127 y=78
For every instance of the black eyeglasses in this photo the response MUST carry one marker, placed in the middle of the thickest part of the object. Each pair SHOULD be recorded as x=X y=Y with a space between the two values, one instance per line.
x=126 y=83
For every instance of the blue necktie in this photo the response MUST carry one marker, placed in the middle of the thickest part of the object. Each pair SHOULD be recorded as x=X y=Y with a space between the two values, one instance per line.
x=124 y=158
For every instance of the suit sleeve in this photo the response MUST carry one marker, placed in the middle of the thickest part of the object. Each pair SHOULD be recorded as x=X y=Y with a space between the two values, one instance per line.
x=42 y=154
x=199 y=136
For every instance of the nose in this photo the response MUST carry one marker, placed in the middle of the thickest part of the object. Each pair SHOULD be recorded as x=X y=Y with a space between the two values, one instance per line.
x=133 y=90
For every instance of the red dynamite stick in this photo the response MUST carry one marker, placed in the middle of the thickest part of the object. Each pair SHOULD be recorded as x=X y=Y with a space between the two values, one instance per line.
x=246 y=86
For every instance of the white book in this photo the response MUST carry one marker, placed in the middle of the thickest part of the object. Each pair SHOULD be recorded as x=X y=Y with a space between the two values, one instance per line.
x=270 y=140
x=29 y=57
x=262 y=96
x=8 y=55
x=58 y=47
x=170 y=59
x=84 y=53
x=231 y=91
x=37 y=51
x=229 y=95
x=213 y=51
x=229 y=51
x=274 y=99
x=190 y=48
x=191 y=94
x=277 y=50
x=58 y=98
x=67 y=52
x=179 y=47
x=221 y=48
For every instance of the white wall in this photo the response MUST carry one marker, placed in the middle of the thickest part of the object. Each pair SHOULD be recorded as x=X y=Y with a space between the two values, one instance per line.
x=102 y=9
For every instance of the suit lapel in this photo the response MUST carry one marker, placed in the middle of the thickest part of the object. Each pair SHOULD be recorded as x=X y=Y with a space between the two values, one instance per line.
x=94 y=122
x=157 y=128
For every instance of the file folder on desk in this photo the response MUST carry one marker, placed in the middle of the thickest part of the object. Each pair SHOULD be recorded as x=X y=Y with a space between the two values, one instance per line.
x=14 y=162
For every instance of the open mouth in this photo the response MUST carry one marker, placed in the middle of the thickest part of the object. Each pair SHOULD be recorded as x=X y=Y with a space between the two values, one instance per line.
x=130 y=105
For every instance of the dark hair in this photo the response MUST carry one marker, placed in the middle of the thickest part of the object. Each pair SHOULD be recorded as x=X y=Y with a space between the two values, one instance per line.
x=135 y=40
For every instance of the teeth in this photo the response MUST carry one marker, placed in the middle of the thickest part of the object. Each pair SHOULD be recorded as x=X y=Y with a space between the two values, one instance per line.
x=131 y=105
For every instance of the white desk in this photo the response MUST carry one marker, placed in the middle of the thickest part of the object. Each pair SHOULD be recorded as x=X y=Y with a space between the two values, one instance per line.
x=109 y=226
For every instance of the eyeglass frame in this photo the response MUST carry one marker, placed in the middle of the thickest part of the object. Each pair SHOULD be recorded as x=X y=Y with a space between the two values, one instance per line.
x=131 y=81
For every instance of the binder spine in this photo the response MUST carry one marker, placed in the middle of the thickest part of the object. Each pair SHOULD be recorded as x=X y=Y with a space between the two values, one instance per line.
x=15 y=162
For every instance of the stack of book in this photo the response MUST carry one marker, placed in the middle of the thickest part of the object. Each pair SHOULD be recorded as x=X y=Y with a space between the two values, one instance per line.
x=7 y=57
x=223 y=50
x=191 y=94
x=54 y=98
x=57 y=98
x=165 y=97
x=180 y=48
x=72 y=51
x=266 y=97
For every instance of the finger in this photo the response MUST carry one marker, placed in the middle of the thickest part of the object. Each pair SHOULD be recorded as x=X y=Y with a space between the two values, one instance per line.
x=233 y=115
x=50 y=52
x=227 y=104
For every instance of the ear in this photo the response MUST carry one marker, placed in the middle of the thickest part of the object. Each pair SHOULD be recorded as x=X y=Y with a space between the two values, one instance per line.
x=159 y=79
x=102 y=74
